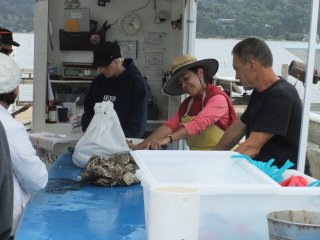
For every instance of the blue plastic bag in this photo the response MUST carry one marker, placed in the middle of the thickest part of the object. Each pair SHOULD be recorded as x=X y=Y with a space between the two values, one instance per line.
x=271 y=170
x=314 y=184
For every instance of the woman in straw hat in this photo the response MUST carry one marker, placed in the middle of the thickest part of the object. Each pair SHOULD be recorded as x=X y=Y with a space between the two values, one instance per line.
x=202 y=117
x=29 y=172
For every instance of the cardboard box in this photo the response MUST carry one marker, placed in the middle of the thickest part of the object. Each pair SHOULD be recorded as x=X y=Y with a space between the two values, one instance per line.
x=77 y=19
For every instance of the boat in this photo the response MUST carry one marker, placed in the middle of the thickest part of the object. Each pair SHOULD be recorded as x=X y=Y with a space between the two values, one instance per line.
x=152 y=44
x=300 y=50
x=165 y=29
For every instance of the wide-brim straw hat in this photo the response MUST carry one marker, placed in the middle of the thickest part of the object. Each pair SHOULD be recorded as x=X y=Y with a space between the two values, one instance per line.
x=185 y=62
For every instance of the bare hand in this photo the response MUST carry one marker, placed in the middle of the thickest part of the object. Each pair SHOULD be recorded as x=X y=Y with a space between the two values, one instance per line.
x=140 y=146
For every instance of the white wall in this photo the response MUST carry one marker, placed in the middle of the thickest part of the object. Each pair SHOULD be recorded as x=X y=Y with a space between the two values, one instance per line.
x=52 y=12
x=111 y=12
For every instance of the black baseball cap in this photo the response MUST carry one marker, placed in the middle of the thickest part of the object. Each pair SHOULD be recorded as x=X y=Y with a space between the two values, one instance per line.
x=105 y=53
x=6 y=37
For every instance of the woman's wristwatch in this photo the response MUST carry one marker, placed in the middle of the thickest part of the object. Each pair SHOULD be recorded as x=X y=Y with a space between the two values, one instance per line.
x=170 y=137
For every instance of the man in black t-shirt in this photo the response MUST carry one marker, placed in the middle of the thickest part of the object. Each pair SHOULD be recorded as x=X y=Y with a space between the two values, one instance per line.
x=277 y=111
x=272 y=120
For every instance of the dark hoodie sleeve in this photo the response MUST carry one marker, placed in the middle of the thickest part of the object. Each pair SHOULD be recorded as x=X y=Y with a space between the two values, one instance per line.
x=89 y=103
x=136 y=125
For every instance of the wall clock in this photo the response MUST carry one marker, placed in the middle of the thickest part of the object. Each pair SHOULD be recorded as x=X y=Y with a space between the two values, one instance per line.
x=130 y=23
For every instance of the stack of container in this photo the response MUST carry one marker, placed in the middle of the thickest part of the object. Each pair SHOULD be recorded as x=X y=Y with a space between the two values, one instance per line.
x=235 y=196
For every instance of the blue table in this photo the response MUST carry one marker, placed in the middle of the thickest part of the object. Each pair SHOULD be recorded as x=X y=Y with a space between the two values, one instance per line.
x=89 y=213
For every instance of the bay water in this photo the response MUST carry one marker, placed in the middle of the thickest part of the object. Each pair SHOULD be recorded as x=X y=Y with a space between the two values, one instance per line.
x=219 y=49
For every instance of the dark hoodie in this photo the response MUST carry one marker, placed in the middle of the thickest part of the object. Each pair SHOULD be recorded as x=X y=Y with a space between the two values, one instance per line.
x=128 y=92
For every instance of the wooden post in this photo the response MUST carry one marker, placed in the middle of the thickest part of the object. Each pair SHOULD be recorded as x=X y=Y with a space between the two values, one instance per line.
x=284 y=71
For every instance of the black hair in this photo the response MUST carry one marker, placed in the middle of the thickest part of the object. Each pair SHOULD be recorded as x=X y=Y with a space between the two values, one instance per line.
x=8 y=98
x=206 y=77
x=253 y=47
x=6 y=51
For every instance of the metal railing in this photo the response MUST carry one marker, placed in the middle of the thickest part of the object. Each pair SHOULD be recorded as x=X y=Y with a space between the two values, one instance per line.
x=27 y=73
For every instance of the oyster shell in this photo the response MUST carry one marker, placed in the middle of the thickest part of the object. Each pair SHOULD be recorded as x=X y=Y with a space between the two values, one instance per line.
x=117 y=170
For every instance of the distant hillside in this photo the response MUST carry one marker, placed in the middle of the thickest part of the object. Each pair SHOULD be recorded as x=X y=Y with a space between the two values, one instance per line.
x=270 y=19
x=17 y=15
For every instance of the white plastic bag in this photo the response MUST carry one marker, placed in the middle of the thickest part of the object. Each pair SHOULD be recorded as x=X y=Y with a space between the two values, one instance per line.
x=104 y=135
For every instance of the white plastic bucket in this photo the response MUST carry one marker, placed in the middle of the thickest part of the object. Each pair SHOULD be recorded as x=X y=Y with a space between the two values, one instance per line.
x=173 y=213
x=294 y=225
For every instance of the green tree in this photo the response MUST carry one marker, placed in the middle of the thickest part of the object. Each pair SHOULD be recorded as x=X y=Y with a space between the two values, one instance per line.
x=270 y=19
x=17 y=15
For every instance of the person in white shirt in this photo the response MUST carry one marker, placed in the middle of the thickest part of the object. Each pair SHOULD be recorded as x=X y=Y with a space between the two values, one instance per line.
x=29 y=172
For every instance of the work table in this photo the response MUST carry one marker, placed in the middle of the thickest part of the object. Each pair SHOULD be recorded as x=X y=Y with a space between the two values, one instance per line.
x=89 y=213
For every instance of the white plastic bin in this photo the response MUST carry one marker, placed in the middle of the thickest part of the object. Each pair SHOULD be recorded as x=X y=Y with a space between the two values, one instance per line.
x=235 y=196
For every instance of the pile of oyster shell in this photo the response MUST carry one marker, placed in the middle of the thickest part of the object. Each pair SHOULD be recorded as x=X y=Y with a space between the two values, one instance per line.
x=116 y=170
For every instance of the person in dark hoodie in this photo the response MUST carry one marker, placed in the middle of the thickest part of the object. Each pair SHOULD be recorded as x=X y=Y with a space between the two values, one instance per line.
x=120 y=82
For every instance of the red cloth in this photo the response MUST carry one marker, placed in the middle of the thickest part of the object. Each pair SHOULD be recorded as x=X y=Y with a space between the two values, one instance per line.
x=294 y=181
x=217 y=109
x=211 y=91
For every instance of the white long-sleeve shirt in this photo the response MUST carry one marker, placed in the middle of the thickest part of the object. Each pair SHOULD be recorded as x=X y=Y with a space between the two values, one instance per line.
x=29 y=172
